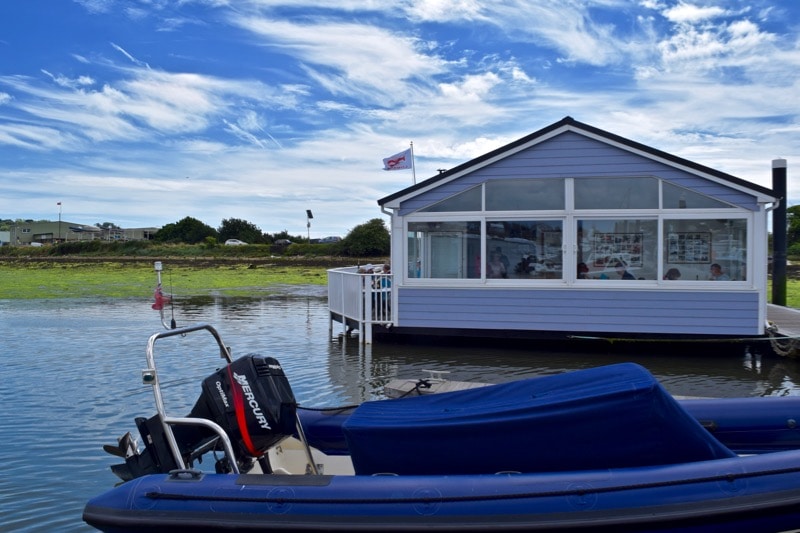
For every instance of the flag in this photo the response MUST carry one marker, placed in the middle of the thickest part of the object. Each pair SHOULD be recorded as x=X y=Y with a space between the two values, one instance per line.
x=400 y=161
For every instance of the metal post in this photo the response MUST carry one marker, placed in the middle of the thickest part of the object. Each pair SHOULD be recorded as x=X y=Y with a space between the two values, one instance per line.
x=779 y=233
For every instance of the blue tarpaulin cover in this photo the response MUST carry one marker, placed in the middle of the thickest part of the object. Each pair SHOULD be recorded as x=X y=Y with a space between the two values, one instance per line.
x=607 y=417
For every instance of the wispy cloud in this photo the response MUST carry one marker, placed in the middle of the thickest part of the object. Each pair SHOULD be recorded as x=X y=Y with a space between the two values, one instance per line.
x=272 y=105
x=129 y=56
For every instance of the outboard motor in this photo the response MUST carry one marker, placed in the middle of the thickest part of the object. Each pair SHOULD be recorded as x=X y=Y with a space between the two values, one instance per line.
x=250 y=399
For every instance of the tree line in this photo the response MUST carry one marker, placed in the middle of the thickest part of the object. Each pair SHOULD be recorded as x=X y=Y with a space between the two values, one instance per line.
x=368 y=239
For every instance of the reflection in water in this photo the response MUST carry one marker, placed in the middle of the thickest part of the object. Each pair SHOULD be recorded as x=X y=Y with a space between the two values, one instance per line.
x=683 y=376
x=72 y=372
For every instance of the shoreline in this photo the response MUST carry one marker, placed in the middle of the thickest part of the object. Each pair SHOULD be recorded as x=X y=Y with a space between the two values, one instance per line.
x=197 y=261
x=134 y=277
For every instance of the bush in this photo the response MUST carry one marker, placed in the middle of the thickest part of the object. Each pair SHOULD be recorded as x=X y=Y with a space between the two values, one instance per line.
x=367 y=240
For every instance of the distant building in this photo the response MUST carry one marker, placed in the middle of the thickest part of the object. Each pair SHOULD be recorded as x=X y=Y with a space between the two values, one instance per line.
x=48 y=232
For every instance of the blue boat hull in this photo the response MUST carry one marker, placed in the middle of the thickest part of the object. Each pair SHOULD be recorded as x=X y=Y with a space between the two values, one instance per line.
x=755 y=493
x=603 y=448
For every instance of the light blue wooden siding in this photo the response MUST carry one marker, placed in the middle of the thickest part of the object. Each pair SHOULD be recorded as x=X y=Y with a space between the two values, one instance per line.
x=572 y=155
x=624 y=311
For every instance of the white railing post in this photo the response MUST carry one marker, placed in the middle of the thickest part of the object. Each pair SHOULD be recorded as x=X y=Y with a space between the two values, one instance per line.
x=364 y=298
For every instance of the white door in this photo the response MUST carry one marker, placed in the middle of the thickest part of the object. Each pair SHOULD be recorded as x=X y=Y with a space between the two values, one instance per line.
x=446 y=255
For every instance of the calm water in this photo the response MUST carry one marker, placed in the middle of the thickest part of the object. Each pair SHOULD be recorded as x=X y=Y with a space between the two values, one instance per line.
x=71 y=381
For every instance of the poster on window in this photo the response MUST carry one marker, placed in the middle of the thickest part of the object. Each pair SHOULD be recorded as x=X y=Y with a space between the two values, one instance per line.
x=689 y=247
x=611 y=247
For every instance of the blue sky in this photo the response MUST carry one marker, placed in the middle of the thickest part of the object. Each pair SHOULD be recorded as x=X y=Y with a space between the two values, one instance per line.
x=142 y=112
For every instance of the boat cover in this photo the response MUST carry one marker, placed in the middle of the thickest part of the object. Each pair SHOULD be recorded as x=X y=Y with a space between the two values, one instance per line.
x=606 y=417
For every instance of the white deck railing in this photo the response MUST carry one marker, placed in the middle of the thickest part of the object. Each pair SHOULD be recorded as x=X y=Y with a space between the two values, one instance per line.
x=363 y=299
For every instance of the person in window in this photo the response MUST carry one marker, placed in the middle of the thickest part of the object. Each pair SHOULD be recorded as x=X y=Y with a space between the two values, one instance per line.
x=583 y=271
x=717 y=274
x=623 y=271
x=495 y=267
x=503 y=258
x=672 y=274
x=525 y=264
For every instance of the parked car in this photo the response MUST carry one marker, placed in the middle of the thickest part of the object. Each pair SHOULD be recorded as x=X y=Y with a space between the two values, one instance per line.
x=283 y=242
x=234 y=242
x=330 y=239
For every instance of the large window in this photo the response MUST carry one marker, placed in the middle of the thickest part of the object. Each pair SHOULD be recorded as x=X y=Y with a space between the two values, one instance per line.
x=616 y=193
x=514 y=229
x=625 y=249
x=705 y=249
x=525 y=195
x=469 y=200
x=447 y=249
x=675 y=196
x=525 y=249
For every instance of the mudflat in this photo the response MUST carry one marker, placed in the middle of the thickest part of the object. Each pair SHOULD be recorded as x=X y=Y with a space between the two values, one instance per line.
x=126 y=277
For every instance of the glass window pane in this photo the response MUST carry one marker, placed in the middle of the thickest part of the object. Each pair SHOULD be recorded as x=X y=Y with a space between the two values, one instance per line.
x=524 y=249
x=617 y=249
x=705 y=249
x=616 y=193
x=469 y=200
x=682 y=198
x=444 y=249
x=524 y=195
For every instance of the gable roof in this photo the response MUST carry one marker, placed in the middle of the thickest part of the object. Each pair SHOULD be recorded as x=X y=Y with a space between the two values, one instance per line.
x=570 y=124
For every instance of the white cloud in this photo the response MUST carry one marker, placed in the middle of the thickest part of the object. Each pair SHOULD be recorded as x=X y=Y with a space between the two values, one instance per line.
x=70 y=82
x=690 y=13
x=446 y=10
x=349 y=59
x=129 y=56
x=36 y=138
x=566 y=25
x=470 y=89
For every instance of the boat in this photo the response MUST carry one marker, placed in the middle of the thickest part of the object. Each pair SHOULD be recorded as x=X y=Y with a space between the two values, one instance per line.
x=603 y=448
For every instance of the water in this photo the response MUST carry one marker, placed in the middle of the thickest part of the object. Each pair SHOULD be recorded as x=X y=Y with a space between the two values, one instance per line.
x=71 y=380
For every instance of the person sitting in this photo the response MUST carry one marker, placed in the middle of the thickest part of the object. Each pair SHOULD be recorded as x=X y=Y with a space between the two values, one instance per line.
x=503 y=258
x=672 y=274
x=583 y=271
x=525 y=264
x=623 y=271
x=717 y=274
x=495 y=267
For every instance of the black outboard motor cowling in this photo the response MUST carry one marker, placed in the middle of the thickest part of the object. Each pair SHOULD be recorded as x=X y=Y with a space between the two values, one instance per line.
x=250 y=399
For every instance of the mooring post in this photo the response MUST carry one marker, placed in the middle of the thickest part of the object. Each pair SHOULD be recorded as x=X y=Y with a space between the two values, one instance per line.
x=779 y=233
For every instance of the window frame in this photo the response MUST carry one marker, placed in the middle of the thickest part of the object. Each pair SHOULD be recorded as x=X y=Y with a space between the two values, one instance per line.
x=568 y=219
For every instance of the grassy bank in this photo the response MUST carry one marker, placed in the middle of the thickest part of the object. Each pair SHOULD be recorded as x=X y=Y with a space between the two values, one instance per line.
x=79 y=277
x=29 y=280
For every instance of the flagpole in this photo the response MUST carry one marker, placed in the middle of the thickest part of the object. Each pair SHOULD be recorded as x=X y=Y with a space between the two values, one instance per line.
x=413 y=165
